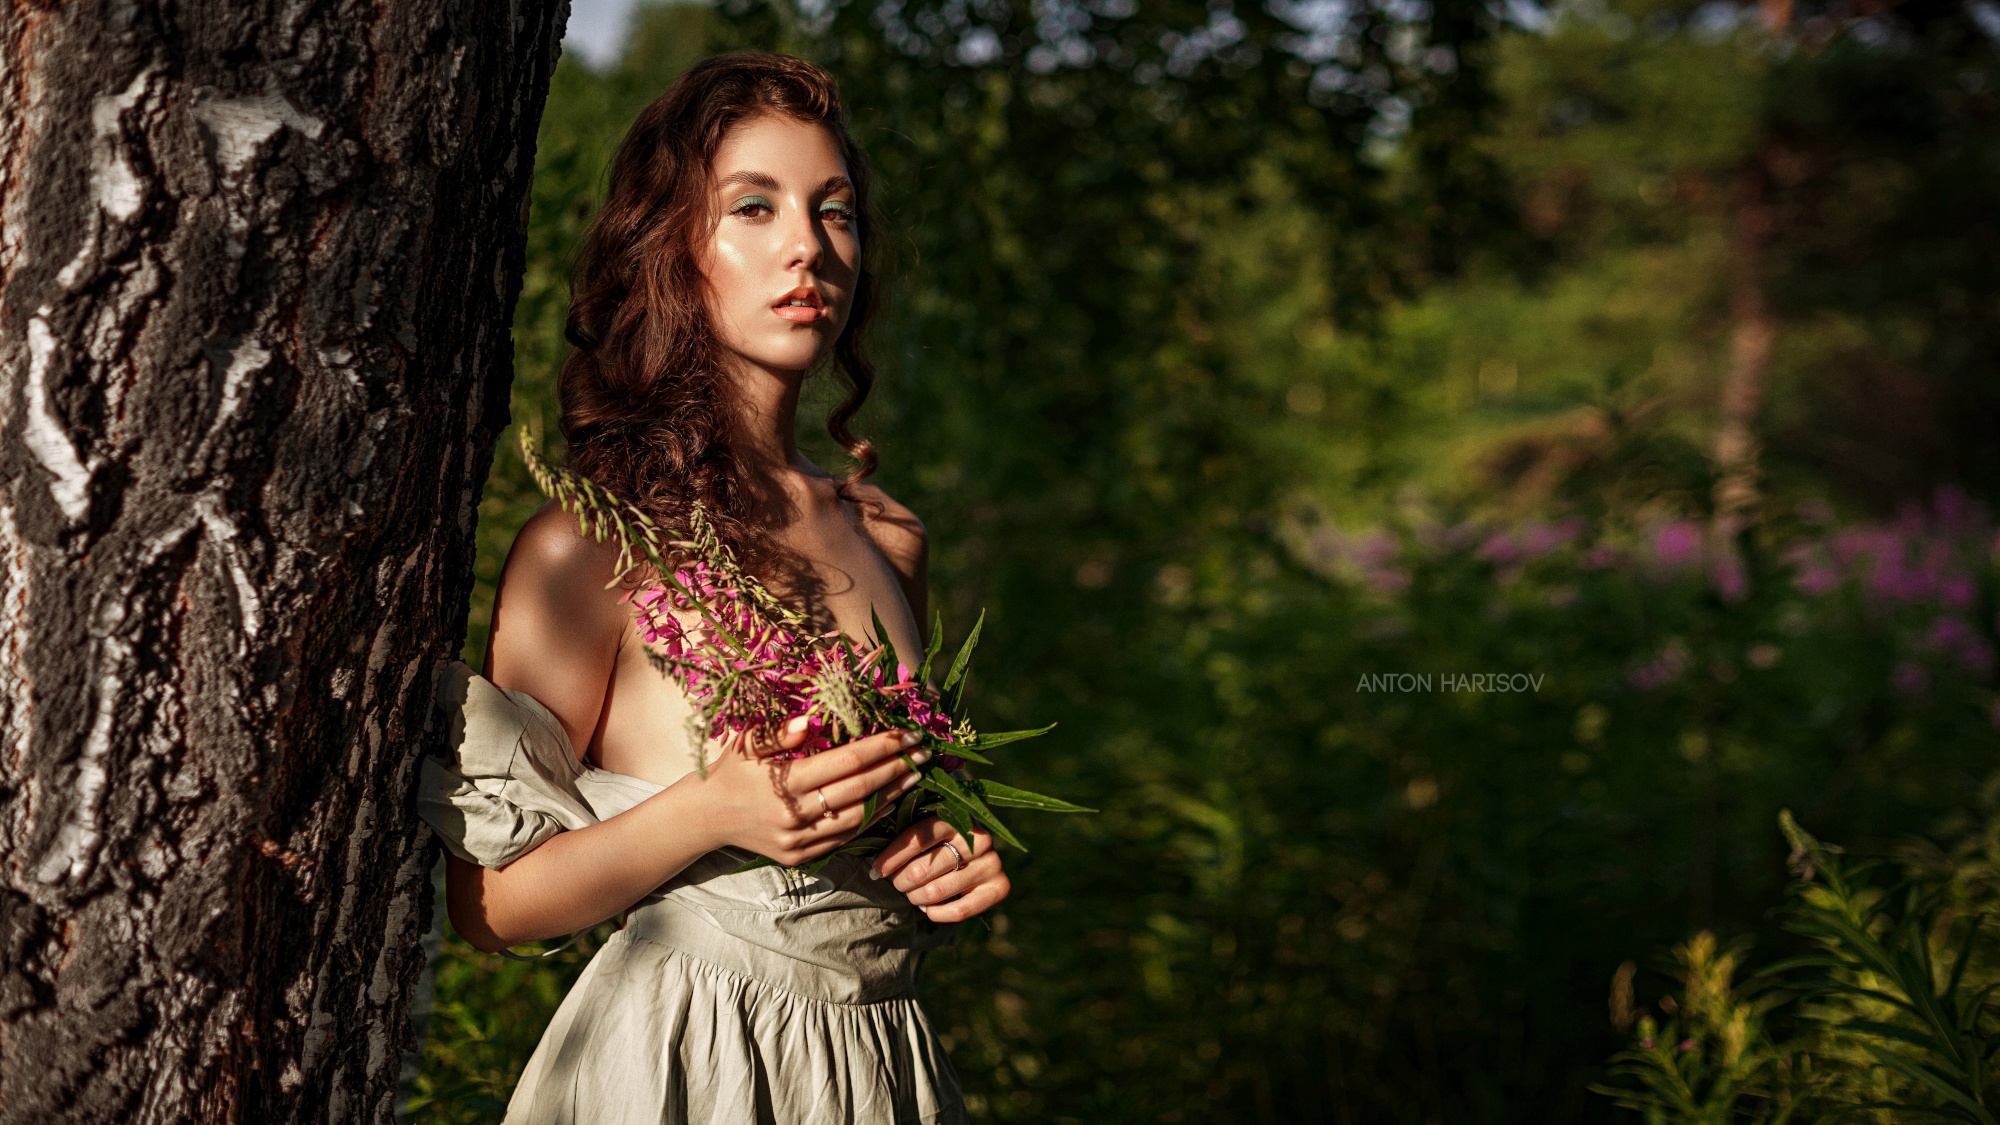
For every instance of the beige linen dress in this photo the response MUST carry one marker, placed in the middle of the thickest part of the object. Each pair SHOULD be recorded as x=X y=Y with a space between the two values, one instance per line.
x=726 y=998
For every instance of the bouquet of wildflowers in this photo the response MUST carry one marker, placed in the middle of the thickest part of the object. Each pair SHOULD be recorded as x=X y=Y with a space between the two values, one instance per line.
x=749 y=666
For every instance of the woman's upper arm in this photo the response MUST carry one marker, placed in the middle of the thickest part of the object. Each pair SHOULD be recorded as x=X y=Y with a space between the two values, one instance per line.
x=556 y=629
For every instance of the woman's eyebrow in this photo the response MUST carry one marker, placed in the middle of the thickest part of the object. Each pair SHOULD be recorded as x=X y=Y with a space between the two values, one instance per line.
x=770 y=183
x=753 y=179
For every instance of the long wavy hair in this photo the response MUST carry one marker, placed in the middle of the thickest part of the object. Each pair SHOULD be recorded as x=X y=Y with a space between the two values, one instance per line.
x=646 y=408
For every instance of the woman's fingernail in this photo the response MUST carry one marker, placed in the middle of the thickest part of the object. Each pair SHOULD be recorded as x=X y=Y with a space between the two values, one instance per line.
x=874 y=872
x=911 y=738
x=796 y=726
x=921 y=756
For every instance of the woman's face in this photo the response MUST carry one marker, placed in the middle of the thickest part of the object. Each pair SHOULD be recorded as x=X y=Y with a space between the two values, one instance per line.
x=786 y=251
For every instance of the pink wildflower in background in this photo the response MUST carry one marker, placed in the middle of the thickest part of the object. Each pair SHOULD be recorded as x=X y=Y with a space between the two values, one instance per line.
x=1955 y=638
x=1602 y=557
x=1663 y=669
x=1958 y=591
x=1909 y=679
x=1538 y=539
x=1677 y=545
x=1729 y=578
x=1817 y=580
x=1530 y=541
x=1444 y=540
x=1498 y=549
x=1369 y=558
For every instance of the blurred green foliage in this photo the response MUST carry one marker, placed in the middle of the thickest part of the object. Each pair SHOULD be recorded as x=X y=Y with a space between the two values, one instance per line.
x=1235 y=356
x=1890 y=1017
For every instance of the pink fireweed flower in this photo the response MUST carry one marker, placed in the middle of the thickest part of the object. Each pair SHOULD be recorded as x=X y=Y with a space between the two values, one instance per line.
x=1955 y=637
x=1729 y=578
x=1958 y=591
x=1527 y=542
x=750 y=666
x=1909 y=679
x=1538 y=539
x=1498 y=549
x=1816 y=580
x=1444 y=540
x=1662 y=669
x=1601 y=557
x=1677 y=545
x=750 y=676
x=1387 y=580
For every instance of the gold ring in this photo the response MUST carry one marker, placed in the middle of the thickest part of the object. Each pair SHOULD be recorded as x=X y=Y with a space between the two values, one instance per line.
x=825 y=811
x=957 y=855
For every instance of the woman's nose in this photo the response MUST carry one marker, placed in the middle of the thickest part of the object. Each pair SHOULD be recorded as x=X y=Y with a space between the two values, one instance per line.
x=803 y=247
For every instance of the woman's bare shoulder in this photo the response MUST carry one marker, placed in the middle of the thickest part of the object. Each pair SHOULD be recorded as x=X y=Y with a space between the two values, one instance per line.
x=552 y=553
x=551 y=538
x=895 y=529
x=554 y=583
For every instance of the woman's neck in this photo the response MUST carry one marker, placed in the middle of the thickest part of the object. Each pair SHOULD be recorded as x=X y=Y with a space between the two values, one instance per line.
x=767 y=403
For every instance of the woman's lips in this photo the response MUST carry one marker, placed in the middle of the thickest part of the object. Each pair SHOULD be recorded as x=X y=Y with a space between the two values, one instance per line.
x=801 y=306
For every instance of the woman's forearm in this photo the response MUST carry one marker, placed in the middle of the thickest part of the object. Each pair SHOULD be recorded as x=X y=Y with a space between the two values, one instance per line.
x=576 y=879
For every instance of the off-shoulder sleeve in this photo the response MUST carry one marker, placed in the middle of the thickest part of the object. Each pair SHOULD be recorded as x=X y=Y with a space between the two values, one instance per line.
x=508 y=780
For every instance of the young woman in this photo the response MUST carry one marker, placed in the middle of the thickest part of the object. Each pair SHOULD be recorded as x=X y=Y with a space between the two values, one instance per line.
x=726 y=264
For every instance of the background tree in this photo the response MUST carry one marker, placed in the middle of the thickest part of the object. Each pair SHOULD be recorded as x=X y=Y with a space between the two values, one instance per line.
x=256 y=266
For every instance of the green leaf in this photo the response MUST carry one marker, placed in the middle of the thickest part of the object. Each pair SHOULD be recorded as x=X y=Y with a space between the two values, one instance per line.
x=882 y=638
x=909 y=809
x=1002 y=738
x=1901 y=1034
x=932 y=648
x=957 y=749
x=956 y=815
x=940 y=782
x=954 y=682
x=1902 y=1107
x=1006 y=796
x=1935 y=1082
x=752 y=864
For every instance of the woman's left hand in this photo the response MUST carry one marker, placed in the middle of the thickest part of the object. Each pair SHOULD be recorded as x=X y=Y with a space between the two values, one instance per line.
x=922 y=863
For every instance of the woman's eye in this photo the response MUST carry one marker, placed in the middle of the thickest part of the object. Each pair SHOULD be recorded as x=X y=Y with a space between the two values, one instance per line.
x=750 y=205
x=837 y=213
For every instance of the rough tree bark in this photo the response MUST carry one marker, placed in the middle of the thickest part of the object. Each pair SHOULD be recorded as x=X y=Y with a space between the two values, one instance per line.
x=257 y=260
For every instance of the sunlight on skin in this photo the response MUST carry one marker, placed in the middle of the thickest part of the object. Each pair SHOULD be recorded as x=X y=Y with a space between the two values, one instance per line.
x=781 y=266
x=786 y=250
x=781 y=262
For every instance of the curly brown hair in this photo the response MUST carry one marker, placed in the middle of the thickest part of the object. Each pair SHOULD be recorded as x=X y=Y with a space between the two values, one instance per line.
x=644 y=390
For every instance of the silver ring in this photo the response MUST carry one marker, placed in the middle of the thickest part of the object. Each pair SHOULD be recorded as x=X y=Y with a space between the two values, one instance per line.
x=825 y=811
x=957 y=855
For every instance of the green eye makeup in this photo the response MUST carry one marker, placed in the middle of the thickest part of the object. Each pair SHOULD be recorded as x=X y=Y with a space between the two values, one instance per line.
x=750 y=201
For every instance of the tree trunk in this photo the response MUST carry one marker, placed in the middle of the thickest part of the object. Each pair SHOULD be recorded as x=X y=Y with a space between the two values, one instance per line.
x=1751 y=333
x=257 y=262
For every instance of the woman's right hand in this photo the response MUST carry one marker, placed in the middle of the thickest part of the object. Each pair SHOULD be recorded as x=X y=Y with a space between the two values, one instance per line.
x=795 y=810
